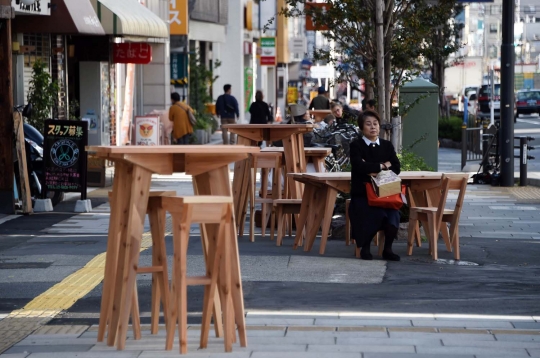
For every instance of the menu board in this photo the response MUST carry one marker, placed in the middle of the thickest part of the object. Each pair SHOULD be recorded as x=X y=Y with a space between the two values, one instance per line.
x=64 y=155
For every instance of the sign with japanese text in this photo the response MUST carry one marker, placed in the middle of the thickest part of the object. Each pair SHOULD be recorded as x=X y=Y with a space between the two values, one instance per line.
x=65 y=155
x=131 y=52
x=268 y=51
x=147 y=130
x=178 y=17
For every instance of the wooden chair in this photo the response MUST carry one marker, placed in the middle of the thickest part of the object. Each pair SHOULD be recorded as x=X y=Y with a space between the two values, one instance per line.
x=265 y=161
x=284 y=207
x=160 y=276
x=202 y=210
x=435 y=216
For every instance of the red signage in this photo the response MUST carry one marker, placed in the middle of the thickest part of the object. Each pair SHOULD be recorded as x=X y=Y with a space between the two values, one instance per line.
x=311 y=8
x=139 y=53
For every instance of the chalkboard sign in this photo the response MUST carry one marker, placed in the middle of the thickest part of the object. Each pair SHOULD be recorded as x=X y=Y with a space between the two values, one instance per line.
x=65 y=156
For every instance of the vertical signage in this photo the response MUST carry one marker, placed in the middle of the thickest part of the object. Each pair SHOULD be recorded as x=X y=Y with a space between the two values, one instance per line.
x=147 y=130
x=268 y=51
x=178 y=17
x=248 y=87
x=65 y=155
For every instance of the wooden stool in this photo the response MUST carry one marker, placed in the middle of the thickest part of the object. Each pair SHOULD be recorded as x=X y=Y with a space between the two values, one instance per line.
x=160 y=276
x=282 y=208
x=203 y=210
x=265 y=161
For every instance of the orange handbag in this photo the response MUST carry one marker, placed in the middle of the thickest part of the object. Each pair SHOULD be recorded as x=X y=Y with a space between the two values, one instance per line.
x=388 y=202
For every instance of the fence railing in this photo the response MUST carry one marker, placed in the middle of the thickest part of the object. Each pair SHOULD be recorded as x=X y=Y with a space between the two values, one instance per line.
x=471 y=145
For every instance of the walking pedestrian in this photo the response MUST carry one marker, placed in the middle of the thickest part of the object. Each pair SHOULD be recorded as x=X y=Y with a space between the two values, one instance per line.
x=260 y=111
x=178 y=114
x=227 y=110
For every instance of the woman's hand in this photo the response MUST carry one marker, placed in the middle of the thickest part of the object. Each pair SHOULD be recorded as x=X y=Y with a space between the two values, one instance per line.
x=388 y=165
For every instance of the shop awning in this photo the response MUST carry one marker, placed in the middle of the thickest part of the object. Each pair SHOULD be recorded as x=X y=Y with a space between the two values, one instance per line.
x=69 y=17
x=129 y=18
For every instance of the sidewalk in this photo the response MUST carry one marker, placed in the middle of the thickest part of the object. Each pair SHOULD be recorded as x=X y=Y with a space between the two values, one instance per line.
x=301 y=304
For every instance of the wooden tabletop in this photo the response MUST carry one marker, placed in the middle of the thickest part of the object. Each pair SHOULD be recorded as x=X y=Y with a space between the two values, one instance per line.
x=407 y=175
x=271 y=126
x=308 y=150
x=172 y=149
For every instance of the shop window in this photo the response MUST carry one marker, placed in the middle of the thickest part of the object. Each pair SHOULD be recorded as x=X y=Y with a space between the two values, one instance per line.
x=495 y=9
x=493 y=28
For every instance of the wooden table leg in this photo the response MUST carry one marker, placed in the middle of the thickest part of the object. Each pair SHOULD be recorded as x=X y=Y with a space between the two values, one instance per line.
x=331 y=195
x=216 y=182
x=111 y=257
x=241 y=181
x=134 y=195
x=305 y=212
x=316 y=216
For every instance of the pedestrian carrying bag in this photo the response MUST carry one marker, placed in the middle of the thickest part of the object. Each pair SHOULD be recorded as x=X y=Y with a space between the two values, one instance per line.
x=190 y=115
x=386 y=191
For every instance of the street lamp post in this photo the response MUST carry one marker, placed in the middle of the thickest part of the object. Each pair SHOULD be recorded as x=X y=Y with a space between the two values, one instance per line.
x=507 y=94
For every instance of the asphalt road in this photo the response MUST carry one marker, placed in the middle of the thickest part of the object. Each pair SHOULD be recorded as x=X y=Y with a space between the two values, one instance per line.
x=528 y=125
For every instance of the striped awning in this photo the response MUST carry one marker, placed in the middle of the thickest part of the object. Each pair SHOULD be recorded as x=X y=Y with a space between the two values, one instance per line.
x=128 y=18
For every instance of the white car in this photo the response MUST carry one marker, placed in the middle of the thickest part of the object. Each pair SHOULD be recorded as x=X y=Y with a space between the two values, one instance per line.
x=471 y=103
x=465 y=92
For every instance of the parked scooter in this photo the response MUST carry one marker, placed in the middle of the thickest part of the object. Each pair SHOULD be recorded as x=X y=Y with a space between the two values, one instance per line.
x=33 y=145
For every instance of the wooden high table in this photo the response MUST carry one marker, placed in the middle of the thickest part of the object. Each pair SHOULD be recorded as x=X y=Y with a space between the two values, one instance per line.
x=134 y=166
x=295 y=160
x=315 y=155
x=320 y=194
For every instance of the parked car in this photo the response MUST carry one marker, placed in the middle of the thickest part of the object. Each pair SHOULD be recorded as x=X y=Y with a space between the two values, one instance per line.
x=465 y=92
x=527 y=102
x=483 y=102
x=471 y=103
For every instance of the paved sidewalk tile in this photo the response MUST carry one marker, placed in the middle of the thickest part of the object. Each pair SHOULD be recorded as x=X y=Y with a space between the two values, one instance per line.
x=117 y=354
x=50 y=348
x=361 y=348
x=508 y=352
x=527 y=325
x=280 y=321
x=498 y=344
x=408 y=355
x=463 y=323
x=305 y=355
x=364 y=322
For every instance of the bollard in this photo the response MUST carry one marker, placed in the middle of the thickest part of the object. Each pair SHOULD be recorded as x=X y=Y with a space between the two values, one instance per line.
x=523 y=161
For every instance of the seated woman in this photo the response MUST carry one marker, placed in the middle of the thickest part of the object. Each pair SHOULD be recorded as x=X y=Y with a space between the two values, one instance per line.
x=369 y=155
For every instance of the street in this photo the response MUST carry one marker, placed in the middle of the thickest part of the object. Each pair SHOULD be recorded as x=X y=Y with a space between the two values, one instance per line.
x=528 y=125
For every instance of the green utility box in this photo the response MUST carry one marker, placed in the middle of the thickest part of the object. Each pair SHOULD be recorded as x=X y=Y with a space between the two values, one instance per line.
x=421 y=123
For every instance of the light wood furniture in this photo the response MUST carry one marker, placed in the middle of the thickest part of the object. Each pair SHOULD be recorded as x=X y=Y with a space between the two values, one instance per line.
x=284 y=207
x=134 y=166
x=295 y=162
x=315 y=155
x=203 y=210
x=160 y=276
x=319 y=114
x=320 y=196
x=437 y=215
x=265 y=161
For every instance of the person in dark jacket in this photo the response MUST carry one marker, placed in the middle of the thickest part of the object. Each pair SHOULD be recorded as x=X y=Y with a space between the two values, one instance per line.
x=370 y=155
x=227 y=110
x=321 y=101
x=259 y=110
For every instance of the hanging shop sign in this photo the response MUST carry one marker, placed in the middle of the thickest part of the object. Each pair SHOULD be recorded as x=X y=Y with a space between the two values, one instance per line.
x=130 y=52
x=65 y=155
x=268 y=51
x=39 y=7
x=178 y=17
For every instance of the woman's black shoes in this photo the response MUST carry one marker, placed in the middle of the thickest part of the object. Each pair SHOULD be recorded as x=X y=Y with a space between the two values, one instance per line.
x=389 y=256
x=366 y=255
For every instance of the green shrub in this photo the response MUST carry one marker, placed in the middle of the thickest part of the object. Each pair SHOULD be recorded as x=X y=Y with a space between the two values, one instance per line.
x=450 y=128
x=411 y=162
x=42 y=95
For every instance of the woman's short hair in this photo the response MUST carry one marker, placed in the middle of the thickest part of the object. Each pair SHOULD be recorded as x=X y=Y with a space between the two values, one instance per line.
x=258 y=96
x=362 y=118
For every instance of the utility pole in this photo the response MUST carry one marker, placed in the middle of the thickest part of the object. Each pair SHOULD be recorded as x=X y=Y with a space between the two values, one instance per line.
x=381 y=90
x=506 y=138
x=6 y=110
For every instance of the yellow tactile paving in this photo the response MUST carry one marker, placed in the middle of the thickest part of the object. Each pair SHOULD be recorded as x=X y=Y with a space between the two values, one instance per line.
x=60 y=297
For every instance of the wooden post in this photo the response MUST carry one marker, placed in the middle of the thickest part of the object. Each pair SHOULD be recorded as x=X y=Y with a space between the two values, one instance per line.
x=6 y=111
x=25 y=193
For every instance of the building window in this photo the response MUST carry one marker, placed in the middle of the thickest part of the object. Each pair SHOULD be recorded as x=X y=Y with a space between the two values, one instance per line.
x=493 y=28
x=530 y=9
x=495 y=9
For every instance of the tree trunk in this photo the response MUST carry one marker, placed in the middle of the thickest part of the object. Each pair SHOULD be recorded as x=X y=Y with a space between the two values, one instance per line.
x=381 y=91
